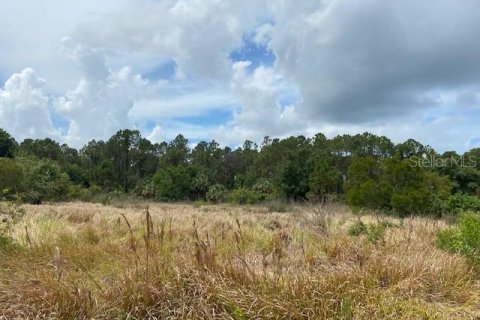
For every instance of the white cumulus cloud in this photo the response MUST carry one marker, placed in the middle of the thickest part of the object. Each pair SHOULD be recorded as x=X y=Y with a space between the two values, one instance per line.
x=24 y=107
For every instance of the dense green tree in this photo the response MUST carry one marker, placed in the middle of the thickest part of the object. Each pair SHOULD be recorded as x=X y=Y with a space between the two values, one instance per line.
x=11 y=177
x=120 y=149
x=8 y=145
x=172 y=183
x=294 y=175
x=411 y=148
x=145 y=159
x=92 y=155
x=177 y=152
x=462 y=170
x=324 y=180
x=41 y=148
x=208 y=159
x=365 y=186
x=44 y=181
x=105 y=175
x=410 y=193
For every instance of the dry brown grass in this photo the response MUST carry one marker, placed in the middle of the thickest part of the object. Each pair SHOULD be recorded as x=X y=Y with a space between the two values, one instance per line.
x=83 y=261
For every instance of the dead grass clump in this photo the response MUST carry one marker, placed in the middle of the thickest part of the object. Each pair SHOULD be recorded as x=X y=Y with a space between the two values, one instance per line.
x=80 y=217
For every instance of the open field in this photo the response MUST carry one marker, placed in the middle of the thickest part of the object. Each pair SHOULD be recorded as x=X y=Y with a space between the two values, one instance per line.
x=82 y=261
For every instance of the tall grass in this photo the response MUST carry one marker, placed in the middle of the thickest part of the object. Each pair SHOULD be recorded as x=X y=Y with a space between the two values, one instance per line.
x=81 y=261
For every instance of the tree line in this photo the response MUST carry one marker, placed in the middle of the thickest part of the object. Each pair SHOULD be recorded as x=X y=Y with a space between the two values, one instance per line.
x=364 y=170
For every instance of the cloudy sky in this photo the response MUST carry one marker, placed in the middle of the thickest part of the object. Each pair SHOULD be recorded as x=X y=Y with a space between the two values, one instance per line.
x=241 y=69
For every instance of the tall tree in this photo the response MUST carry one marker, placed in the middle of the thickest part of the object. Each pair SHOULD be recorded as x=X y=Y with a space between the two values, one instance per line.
x=7 y=145
x=120 y=148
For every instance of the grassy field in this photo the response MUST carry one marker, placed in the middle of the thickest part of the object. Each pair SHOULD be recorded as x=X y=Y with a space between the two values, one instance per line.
x=83 y=261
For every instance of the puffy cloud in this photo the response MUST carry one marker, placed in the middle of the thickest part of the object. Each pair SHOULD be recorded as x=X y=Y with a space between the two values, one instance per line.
x=24 y=107
x=157 y=135
x=100 y=103
x=30 y=34
x=198 y=35
x=401 y=68
x=261 y=112
x=363 y=62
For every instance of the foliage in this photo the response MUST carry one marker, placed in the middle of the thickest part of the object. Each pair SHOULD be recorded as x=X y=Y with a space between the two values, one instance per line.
x=278 y=205
x=217 y=193
x=366 y=170
x=458 y=203
x=199 y=186
x=45 y=181
x=7 y=144
x=463 y=238
x=172 y=183
x=396 y=185
x=245 y=196
x=357 y=229
x=145 y=188
x=323 y=181
x=294 y=175
x=374 y=232
x=11 y=176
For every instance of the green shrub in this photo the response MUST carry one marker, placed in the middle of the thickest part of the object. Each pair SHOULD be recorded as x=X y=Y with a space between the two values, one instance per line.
x=458 y=203
x=410 y=201
x=374 y=232
x=77 y=192
x=357 y=229
x=278 y=206
x=74 y=192
x=216 y=193
x=199 y=186
x=463 y=238
x=172 y=183
x=244 y=196
x=369 y=194
x=145 y=189
x=11 y=177
x=265 y=189
x=44 y=180
x=263 y=186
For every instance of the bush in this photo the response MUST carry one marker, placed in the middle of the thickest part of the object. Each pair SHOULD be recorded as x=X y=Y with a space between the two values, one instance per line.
x=172 y=183
x=278 y=206
x=264 y=188
x=411 y=201
x=199 y=186
x=369 y=194
x=463 y=238
x=216 y=193
x=357 y=229
x=76 y=192
x=44 y=181
x=11 y=176
x=245 y=196
x=145 y=189
x=374 y=232
x=458 y=203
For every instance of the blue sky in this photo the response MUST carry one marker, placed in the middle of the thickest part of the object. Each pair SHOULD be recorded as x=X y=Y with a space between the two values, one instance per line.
x=237 y=70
